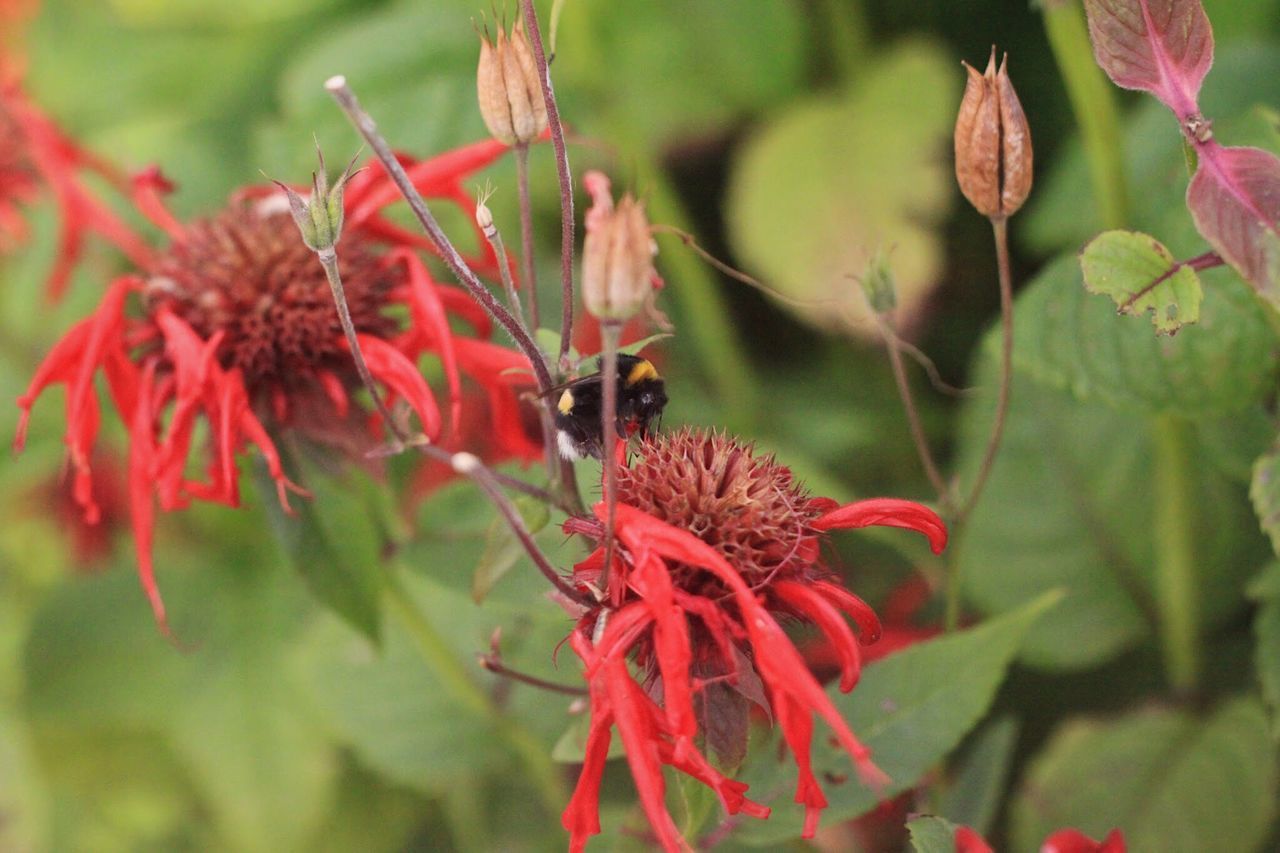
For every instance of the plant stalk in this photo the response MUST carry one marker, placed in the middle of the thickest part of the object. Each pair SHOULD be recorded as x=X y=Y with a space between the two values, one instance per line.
x=610 y=334
x=566 y=180
x=527 y=272
x=1094 y=105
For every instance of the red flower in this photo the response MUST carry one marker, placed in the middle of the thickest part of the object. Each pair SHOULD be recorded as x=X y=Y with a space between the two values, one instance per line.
x=1062 y=841
x=236 y=327
x=35 y=153
x=716 y=545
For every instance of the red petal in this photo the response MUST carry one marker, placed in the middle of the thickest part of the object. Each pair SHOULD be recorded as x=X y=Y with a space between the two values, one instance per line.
x=398 y=373
x=1075 y=841
x=861 y=613
x=822 y=613
x=968 y=841
x=888 y=512
x=429 y=312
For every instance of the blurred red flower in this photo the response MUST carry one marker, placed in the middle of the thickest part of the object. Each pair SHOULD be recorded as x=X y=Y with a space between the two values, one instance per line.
x=235 y=326
x=1062 y=841
x=717 y=546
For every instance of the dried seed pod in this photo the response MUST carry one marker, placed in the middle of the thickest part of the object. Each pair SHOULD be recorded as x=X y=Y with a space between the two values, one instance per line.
x=508 y=89
x=617 y=256
x=993 y=143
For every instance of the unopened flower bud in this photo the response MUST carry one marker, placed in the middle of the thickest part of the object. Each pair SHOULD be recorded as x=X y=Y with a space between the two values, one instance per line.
x=878 y=284
x=319 y=218
x=617 y=254
x=993 y=143
x=508 y=88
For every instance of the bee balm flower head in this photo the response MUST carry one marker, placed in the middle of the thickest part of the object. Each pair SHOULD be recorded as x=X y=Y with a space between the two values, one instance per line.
x=717 y=546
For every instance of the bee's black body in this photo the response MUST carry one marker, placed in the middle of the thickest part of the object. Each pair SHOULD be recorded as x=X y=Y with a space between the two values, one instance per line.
x=641 y=397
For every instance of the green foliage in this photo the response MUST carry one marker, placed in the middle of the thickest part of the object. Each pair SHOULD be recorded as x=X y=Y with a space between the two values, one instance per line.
x=930 y=834
x=823 y=188
x=1265 y=590
x=1069 y=505
x=1170 y=780
x=1070 y=339
x=910 y=709
x=1138 y=273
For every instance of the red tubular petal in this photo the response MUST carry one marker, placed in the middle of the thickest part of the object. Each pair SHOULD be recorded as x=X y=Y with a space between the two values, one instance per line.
x=149 y=187
x=398 y=373
x=1075 y=841
x=888 y=512
x=581 y=817
x=141 y=508
x=672 y=647
x=639 y=739
x=431 y=177
x=797 y=728
x=861 y=613
x=335 y=391
x=428 y=310
x=822 y=613
x=969 y=841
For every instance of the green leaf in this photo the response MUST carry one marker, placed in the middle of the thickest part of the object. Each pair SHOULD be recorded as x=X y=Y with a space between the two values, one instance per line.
x=1171 y=780
x=1140 y=275
x=930 y=834
x=911 y=709
x=1069 y=505
x=1071 y=339
x=662 y=81
x=974 y=792
x=333 y=542
x=827 y=184
x=1265 y=590
x=231 y=706
x=502 y=548
x=1264 y=491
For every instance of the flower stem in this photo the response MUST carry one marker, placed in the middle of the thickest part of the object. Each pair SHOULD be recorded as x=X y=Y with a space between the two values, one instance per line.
x=1094 y=105
x=527 y=272
x=610 y=334
x=494 y=236
x=471 y=466
x=566 y=180
x=1000 y=228
x=913 y=416
x=543 y=775
x=364 y=123
x=329 y=260
x=1175 y=553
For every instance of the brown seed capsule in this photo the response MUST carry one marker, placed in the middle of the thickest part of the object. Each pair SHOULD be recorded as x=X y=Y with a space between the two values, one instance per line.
x=508 y=88
x=993 y=142
x=617 y=254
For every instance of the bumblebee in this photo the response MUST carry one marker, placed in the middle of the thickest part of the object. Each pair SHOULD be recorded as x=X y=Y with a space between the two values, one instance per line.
x=641 y=397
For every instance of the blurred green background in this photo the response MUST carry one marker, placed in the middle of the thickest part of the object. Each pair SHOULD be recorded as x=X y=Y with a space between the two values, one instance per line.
x=795 y=138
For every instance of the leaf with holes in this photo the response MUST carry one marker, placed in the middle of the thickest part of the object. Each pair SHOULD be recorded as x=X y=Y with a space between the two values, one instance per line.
x=1140 y=274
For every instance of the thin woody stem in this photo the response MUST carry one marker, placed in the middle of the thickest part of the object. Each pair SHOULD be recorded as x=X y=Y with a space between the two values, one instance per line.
x=471 y=466
x=494 y=237
x=610 y=334
x=566 y=180
x=364 y=123
x=893 y=344
x=495 y=665
x=528 y=275
x=329 y=260
x=1000 y=229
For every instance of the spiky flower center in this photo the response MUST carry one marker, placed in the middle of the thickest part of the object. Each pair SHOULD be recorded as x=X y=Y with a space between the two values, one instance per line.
x=246 y=273
x=747 y=507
